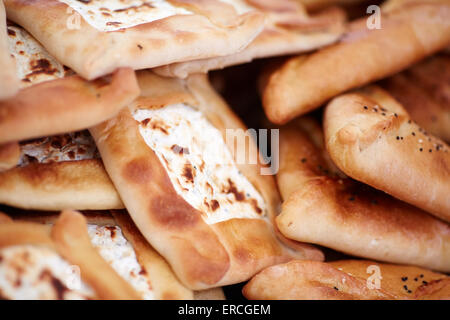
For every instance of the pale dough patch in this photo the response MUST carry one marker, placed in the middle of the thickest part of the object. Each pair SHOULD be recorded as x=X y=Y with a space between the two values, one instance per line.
x=112 y=15
x=199 y=164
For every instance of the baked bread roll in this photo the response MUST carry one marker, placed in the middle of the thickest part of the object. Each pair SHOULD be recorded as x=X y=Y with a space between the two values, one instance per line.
x=9 y=82
x=322 y=206
x=37 y=262
x=94 y=38
x=288 y=29
x=363 y=55
x=346 y=280
x=207 y=214
x=52 y=100
x=424 y=91
x=57 y=172
x=371 y=138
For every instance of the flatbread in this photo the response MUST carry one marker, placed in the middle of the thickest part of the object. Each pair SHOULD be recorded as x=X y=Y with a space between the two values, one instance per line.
x=363 y=55
x=424 y=91
x=96 y=37
x=324 y=207
x=371 y=138
x=121 y=244
x=347 y=280
x=167 y=157
x=59 y=172
x=9 y=82
x=290 y=31
x=52 y=100
x=42 y=257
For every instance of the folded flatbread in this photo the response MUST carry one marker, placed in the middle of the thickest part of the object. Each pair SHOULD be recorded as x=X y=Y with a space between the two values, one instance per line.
x=408 y=33
x=96 y=37
x=347 y=280
x=43 y=262
x=209 y=216
x=52 y=100
x=371 y=138
x=58 y=172
x=288 y=29
x=424 y=91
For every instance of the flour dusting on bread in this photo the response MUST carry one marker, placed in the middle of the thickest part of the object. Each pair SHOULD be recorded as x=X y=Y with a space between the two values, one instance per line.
x=33 y=63
x=119 y=253
x=112 y=15
x=199 y=163
x=31 y=272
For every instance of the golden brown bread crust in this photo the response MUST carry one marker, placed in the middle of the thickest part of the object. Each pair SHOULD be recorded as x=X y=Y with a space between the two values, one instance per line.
x=346 y=280
x=9 y=155
x=82 y=185
x=361 y=57
x=371 y=138
x=164 y=284
x=215 y=29
x=201 y=255
x=399 y=280
x=424 y=91
x=9 y=82
x=70 y=239
x=322 y=207
x=65 y=105
x=290 y=32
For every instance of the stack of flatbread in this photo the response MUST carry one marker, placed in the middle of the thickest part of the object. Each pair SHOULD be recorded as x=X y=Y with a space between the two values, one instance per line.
x=122 y=173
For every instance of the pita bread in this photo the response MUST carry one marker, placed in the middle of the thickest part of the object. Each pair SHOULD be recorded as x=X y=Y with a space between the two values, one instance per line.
x=287 y=32
x=54 y=252
x=52 y=100
x=189 y=198
x=346 y=280
x=59 y=172
x=371 y=138
x=96 y=37
x=9 y=82
x=408 y=34
x=424 y=91
x=324 y=207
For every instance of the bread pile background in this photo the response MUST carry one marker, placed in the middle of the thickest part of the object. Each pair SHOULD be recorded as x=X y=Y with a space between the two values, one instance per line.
x=118 y=179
